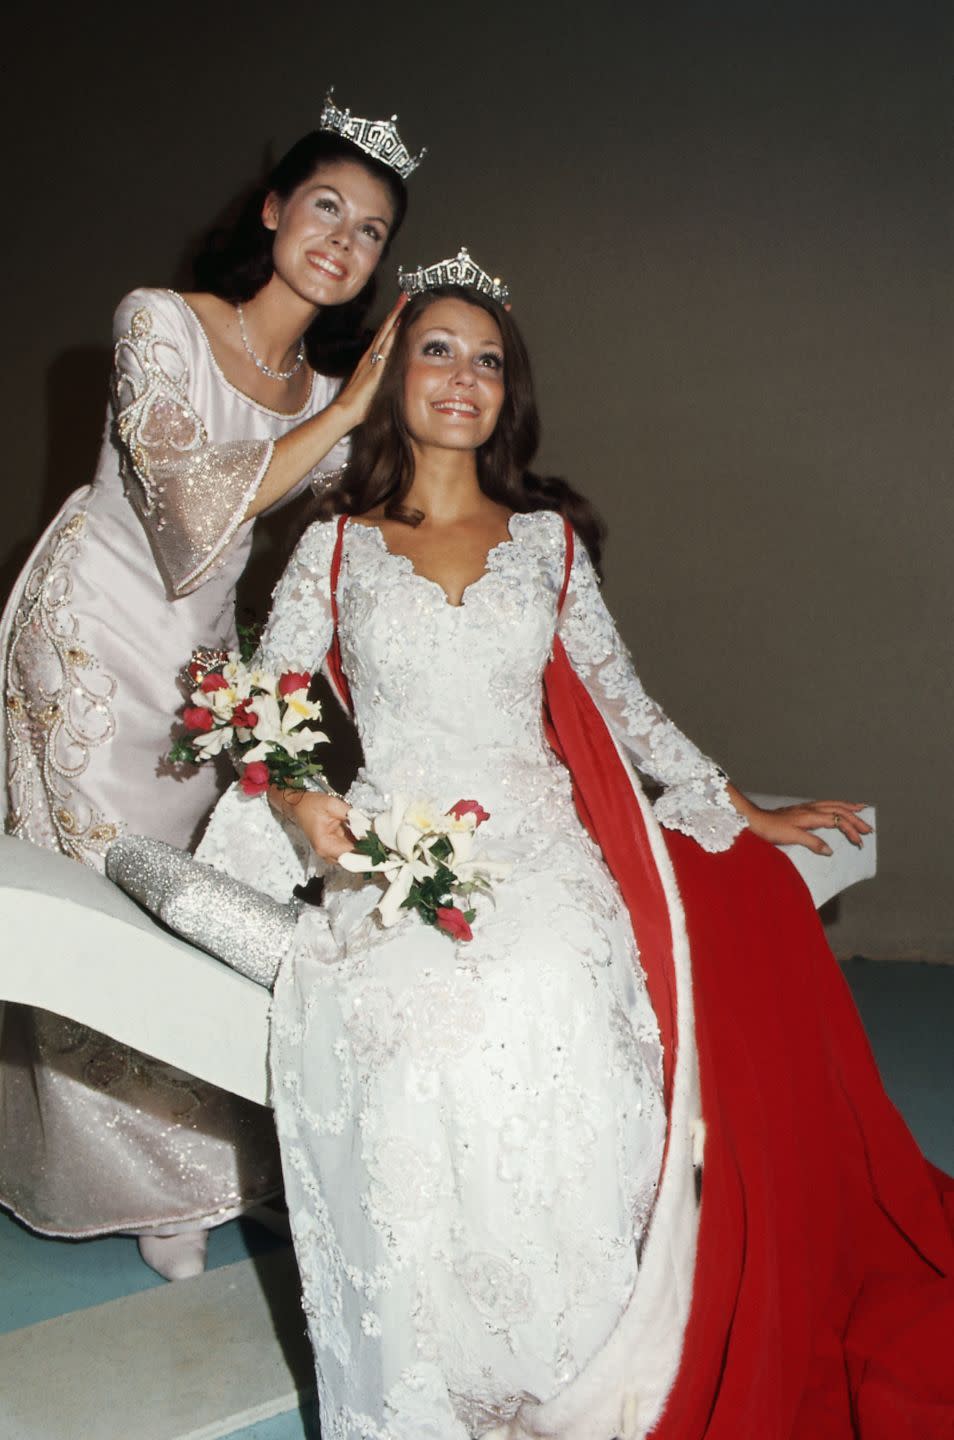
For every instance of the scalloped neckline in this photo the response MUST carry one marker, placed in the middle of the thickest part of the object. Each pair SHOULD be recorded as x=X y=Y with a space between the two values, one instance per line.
x=406 y=564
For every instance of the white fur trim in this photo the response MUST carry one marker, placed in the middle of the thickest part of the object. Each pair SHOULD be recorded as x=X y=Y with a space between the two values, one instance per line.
x=623 y=1390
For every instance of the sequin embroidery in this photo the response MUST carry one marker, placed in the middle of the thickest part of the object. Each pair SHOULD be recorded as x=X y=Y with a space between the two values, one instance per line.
x=59 y=707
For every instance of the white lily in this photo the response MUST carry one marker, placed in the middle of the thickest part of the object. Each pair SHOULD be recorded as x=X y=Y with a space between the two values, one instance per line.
x=213 y=742
x=358 y=823
x=453 y=824
x=239 y=678
x=389 y=906
x=263 y=680
x=278 y=729
x=400 y=875
x=293 y=744
x=221 y=702
x=462 y=844
x=408 y=830
x=299 y=708
x=389 y=821
x=224 y=702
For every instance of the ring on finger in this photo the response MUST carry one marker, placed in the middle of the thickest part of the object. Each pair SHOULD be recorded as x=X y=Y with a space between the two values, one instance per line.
x=376 y=356
x=836 y=821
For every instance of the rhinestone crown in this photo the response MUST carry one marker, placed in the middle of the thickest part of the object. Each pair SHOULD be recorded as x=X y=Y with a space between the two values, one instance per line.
x=460 y=270
x=377 y=138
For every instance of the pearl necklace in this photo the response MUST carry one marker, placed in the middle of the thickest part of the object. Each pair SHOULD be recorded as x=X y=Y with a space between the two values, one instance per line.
x=267 y=369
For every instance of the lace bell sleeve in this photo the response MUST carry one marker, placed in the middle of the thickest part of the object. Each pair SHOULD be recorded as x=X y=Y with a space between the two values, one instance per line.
x=190 y=495
x=695 y=800
x=299 y=627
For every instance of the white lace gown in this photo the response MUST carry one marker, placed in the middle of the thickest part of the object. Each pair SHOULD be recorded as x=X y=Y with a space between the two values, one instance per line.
x=135 y=571
x=471 y=1133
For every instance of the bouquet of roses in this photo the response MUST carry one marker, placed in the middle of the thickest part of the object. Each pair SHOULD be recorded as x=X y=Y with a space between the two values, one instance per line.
x=264 y=719
x=427 y=860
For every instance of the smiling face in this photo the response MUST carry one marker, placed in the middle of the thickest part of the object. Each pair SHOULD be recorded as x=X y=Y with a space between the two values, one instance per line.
x=331 y=232
x=454 y=377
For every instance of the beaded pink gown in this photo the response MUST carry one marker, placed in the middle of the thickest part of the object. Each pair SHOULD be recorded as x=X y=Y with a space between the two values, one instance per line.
x=135 y=571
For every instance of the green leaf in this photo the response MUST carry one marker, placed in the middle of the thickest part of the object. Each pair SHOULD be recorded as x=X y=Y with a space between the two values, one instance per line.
x=372 y=846
x=248 y=636
x=182 y=753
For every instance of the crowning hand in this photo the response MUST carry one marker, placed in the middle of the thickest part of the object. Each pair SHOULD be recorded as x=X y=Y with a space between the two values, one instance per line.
x=355 y=397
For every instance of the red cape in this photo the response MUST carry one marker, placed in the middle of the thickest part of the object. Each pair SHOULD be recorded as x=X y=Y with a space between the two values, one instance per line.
x=823 y=1298
x=823 y=1303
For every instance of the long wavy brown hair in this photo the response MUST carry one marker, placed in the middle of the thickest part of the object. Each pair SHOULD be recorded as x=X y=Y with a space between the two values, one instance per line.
x=381 y=469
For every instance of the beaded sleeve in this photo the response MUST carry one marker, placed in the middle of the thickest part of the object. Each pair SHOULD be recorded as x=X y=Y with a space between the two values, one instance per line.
x=695 y=800
x=190 y=495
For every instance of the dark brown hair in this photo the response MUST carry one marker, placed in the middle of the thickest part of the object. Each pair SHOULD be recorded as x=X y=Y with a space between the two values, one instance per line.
x=235 y=257
x=381 y=468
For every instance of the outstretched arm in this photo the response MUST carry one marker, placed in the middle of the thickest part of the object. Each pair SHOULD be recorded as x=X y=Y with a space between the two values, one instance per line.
x=796 y=824
x=698 y=799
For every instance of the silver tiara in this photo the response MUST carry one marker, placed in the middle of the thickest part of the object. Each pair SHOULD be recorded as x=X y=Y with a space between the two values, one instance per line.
x=461 y=270
x=377 y=138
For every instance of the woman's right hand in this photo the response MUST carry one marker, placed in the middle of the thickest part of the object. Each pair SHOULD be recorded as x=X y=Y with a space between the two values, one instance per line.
x=354 y=398
x=322 y=819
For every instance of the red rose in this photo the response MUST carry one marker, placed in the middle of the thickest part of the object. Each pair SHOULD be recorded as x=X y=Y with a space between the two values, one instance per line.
x=256 y=779
x=453 y=922
x=196 y=717
x=213 y=681
x=469 y=807
x=242 y=715
x=293 y=680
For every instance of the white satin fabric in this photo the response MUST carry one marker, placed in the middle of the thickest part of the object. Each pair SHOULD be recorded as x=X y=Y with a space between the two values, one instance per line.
x=136 y=570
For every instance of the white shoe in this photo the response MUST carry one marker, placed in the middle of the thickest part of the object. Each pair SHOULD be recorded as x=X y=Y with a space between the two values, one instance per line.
x=175 y=1257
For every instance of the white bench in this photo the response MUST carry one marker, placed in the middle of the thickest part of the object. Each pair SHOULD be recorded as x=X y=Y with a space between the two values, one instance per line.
x=76 y=945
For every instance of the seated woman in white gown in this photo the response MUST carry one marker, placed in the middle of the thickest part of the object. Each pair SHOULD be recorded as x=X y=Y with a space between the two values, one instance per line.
x=473 y=1133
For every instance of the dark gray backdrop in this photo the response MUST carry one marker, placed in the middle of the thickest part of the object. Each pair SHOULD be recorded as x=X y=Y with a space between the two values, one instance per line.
x=728 y=233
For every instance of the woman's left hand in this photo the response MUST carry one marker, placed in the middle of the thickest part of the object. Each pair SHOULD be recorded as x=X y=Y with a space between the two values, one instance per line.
x=354 y=398
x=796 y=824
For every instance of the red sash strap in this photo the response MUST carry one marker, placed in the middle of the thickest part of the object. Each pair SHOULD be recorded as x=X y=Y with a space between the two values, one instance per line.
x=567 y=564
x=333 y=659
x=607 y=806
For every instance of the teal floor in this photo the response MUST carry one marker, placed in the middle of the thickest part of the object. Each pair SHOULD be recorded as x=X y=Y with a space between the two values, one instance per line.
x=45 y=1278
x=908 y=1010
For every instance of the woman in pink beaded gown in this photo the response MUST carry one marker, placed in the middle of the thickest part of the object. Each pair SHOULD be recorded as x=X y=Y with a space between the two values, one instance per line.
x=216 y=416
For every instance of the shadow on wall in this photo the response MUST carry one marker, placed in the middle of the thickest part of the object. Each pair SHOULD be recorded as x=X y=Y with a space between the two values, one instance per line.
x=77 y=390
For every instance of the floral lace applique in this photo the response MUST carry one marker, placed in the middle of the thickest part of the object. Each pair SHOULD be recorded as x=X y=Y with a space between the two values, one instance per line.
x=695 y=800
